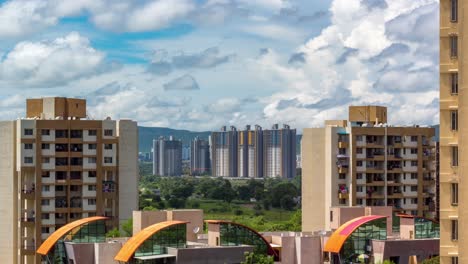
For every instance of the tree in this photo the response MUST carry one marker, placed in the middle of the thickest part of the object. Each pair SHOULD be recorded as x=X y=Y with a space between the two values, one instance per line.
x=435 y=260
x=127 y=228
x=281 y=190
x=113 y=233
x=243 y=192
x=252 y=258
x=287 y=202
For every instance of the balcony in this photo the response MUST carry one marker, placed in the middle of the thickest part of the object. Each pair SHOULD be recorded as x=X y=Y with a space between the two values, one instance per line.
x=343 y=144
x=28 y=194
x=343 y=195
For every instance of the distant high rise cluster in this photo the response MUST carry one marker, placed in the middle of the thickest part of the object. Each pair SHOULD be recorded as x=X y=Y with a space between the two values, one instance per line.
x=167 y=157
x=254 y=153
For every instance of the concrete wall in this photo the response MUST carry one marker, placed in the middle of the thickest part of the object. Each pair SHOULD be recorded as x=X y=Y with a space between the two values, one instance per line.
x=308 y=250
x=143 y=219
x=8 y=194
x=194 y=217
x=422 y=248
x=313 y=179
x=407 y=228
x=216 y=255
x=127 y=131
x=81 y=253
x=104 y=252
x=213 y=234
x=342 y=215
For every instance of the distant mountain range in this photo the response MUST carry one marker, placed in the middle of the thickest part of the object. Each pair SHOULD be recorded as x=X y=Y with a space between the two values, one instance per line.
x=147 y=134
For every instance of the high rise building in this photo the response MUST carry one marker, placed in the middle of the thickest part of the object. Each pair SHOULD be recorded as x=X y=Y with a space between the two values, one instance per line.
x=453 y=146
x=365 y=162
x=57 y=167
x=279 y=148
x=167 y=157
x=224 y=156
x=254 y=153
x=200 y=157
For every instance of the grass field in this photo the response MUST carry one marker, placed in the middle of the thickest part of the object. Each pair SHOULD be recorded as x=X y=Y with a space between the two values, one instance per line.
x=262 y=220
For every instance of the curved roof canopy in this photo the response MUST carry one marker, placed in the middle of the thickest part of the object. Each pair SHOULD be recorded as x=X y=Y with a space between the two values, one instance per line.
x=132 y=245
x=271 y=251
x=50 y=242
x=338 y=238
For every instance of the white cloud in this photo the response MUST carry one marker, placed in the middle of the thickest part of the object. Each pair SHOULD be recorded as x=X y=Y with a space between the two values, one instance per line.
x=43 y=64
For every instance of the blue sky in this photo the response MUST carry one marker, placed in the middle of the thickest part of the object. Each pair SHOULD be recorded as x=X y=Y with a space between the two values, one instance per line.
x=199 y=65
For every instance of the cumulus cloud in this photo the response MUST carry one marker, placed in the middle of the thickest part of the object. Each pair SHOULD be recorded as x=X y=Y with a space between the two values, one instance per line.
x=51 y=63
x=184 y=83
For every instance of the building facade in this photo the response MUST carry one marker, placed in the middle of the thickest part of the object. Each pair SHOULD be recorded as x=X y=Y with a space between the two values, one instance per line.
x=254 y=153
x=57 y=167
x=364 y=162
x=453 y=243
x=200 y=157
x=167 y=157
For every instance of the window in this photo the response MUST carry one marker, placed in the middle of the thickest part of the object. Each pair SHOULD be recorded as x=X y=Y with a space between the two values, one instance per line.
x=342 y=176
x=359 y=201
x=92 y=133
x=76 y=134
x=74 y=188
x=28 y=146
x=45 y=160
x=359 y=163
x=454 y=230
x=359 y=150
x=453 y=46
x=414 y=176
x=107 y=159
x=454 y=18
x=60 y=188
x=359 y=189
x=414 y=200
x=45 y=174
x=45 y=188
x=28 y=132
x=92 y=174
x=454 y=193
x=414 y=138
x=45 y=230
x=28 y=160
x=414 y=163
x=45 y=202
x=45 y=132
x=454 y=81
x=454 y=120
x=108 y=132
x=359 y=138
x=342 y=201
x=454 y=156
x=359 y=176
x=76 y=161
x=109 y=146
x=92 y=160
x=454 y=260
x=91 y=201
x=45 y=146
x=414 y=151
x=61 y=133
x=331 y=216
x=92 y=146
x=61 y=161
x=414 y=188
x=91 y=188
x=45 y=216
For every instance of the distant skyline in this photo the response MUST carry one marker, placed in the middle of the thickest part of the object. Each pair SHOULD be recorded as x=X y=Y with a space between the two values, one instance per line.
x=201 y=64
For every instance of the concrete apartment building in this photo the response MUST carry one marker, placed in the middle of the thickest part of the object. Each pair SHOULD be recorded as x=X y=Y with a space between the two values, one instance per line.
x=453 y=145
x=365 y=162
x=200 y=157
x=254 y=153
x=167 y=157
x=57 y=167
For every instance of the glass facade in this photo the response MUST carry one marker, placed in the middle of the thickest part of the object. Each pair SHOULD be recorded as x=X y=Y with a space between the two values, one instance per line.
x=157 y=244
x=357 y=246
x=424 y=228
x=235 y=235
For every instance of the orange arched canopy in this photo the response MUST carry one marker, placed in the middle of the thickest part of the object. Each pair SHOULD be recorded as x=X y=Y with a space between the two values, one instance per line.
x=338 y=238
x=50 y=242
x=271 y=251
x=129 y=248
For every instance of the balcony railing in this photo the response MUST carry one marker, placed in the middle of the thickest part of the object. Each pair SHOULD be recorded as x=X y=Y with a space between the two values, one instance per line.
x=28 y=219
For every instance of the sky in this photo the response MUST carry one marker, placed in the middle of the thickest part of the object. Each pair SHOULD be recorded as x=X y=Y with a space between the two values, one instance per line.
x=202 y=64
